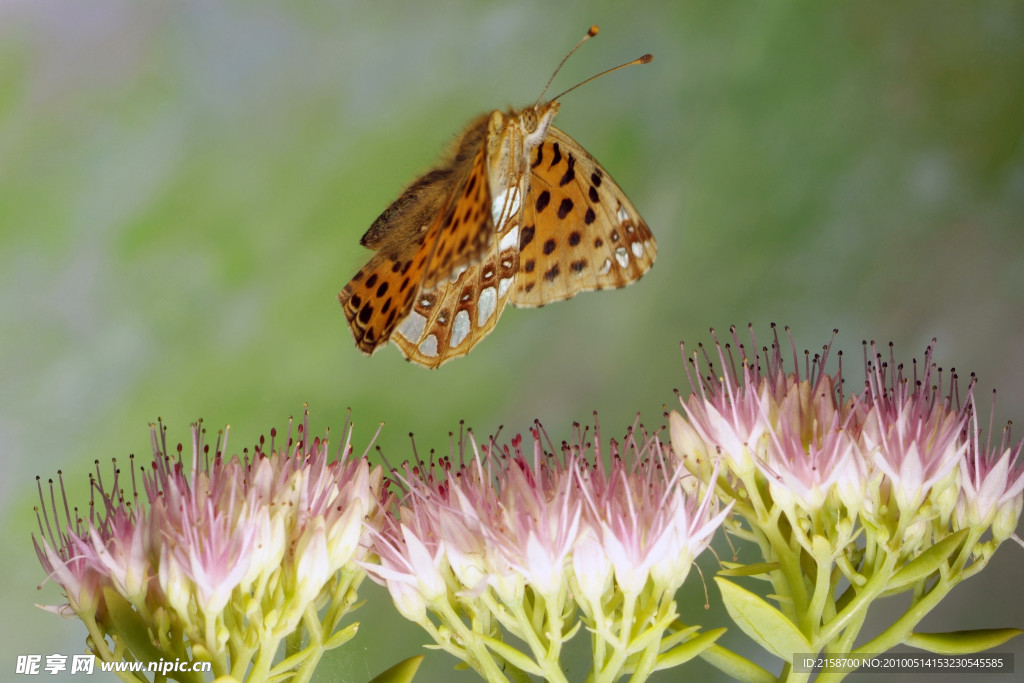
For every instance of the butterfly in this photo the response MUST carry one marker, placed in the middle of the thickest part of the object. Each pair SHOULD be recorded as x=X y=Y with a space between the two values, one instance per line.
x=516 y=212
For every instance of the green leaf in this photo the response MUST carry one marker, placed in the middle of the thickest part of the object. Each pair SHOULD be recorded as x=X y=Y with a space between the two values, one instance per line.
x=688 y=650
x=132 y=628
x=927 y=562
x=763 y=623
x=341 y=637
x=286 y=668
x=680 y=634
x=512 y=655
x=401 y=672
x=962 y=642
x=748 y=569
x=735 y=666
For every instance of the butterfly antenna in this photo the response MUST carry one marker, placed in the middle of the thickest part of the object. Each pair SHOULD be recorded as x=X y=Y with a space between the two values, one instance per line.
x=646 y=59
x=591 y=32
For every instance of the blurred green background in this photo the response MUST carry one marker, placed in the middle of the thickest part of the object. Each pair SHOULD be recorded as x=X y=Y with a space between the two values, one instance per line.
x=183 y=186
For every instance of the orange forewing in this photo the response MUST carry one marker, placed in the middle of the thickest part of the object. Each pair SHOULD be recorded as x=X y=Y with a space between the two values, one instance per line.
x=580 y=231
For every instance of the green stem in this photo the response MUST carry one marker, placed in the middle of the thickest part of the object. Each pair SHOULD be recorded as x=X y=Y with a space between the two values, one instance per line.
x=260 y=667
x=872 y=589
x=666 y=614
x=901 y=629
x=823 y=591
x=482 y=660
x=612 y=667
x=904 y=626
x=780 y=549
x=314 y=648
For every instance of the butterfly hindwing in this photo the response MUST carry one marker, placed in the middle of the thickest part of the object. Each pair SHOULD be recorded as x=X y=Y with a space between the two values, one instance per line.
x=450 y=320
x=440 y=224
x=580 y=231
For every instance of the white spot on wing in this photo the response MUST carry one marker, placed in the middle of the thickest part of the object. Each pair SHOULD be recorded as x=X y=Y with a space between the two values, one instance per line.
x=509 y=239
x=460 y=328
x=505 y=205
x=605 y=267
x=622 y=215
x=503 y=285
x=429 y=346
x=486 y=305
x=638 y=249
x=622 y=256
x=457 y=273
x=412 y=327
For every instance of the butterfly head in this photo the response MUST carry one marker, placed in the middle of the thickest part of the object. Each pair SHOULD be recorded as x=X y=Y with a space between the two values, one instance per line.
x=534 y=121
x=513 y=135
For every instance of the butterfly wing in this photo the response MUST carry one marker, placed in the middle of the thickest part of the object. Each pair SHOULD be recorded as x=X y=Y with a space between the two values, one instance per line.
x=440 y=225
x=581 y=232
x=460 y=235
x=450 y=320
x=377 y=298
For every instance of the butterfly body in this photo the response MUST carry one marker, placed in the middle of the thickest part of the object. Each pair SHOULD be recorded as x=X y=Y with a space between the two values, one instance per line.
x=517 y=212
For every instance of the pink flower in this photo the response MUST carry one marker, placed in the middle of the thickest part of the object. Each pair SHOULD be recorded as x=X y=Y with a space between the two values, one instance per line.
x=899 y=453
x=640 y=515
x=222 y=540
x=992 y=484
x=519 y=536
x=847 y=498
x=914 y=434
x=797 y=431
x=205 y=530
x=534 y=525
x=410 y=562
x=67 y=559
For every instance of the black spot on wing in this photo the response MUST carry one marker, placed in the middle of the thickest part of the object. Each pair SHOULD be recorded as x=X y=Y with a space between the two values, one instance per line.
x=557 y=156
x=570 y=173
x=564 y=208
x=526 y=236
x=543 y=199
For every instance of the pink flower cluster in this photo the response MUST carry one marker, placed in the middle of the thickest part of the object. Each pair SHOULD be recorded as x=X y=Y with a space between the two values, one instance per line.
x=902 y=449
x=226 y=545
x=528 y=523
